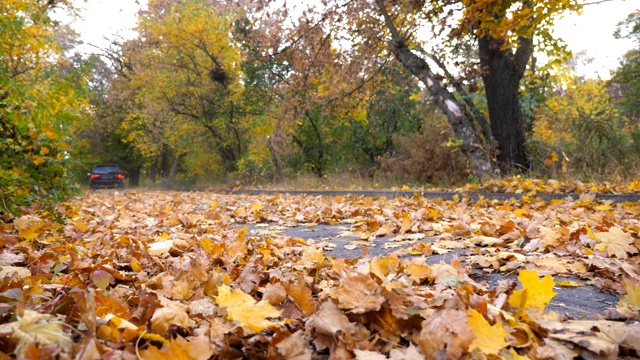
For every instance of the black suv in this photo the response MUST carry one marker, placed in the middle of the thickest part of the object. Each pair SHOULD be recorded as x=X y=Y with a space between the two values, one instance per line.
x=106 y=176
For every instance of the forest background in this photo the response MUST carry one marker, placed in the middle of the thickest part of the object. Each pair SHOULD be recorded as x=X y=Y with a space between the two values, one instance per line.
x=418 y=93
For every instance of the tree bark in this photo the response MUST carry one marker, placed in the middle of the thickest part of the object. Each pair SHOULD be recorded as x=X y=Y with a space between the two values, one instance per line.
x=174 y=166
x=458 y=117
x=134 y=177
x=501 y=74
x=319 y=167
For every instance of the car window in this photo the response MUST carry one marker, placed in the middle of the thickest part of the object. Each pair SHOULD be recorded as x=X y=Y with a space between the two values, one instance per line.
x=106 y=169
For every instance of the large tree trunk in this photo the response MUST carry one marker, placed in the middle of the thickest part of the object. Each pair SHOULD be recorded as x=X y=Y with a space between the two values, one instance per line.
x=459 y=119
x=501 y=74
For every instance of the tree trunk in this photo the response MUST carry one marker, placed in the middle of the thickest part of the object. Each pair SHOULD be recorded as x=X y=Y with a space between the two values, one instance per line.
x=319 y=166
x=153 y=170
x=459 y=119
x=174 y=166
x=501 y=74
x=274 y=158
x=134 y=177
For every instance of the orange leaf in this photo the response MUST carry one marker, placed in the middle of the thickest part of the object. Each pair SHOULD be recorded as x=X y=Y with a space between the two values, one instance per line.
x=302 y=295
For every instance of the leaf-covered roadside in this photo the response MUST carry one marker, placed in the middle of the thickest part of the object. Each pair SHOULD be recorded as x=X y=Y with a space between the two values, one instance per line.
x=177 y=275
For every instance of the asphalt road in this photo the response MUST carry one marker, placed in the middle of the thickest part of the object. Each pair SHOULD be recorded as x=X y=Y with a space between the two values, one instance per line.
x=437 y=194
x=576 y=302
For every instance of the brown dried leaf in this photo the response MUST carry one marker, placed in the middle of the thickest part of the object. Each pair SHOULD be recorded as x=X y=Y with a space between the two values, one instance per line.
x=359 y=293
x=615 y=242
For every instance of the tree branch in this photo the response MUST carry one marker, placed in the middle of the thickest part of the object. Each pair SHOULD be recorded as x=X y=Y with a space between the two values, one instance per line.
x=477 y=114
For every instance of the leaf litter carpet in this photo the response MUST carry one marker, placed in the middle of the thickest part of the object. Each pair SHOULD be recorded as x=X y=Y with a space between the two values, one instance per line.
x=197 y=275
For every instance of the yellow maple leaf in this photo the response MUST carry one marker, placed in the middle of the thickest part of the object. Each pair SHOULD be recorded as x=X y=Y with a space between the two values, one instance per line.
x=302 y=295
x=34 y=327
x=28 y=226
x=81 y=226
x=312 y=257
x=489 y=339
x=534 y=292
x=379 y=266
x=632 y=297
x=243 y=309
x=615 y=242
x=406 y=223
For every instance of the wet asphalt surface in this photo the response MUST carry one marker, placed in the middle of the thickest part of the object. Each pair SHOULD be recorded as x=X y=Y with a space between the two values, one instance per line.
x=576 y=302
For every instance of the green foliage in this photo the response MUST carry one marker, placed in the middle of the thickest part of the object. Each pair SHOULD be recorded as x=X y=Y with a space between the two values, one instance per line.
x=395 y=108
x=625 y=79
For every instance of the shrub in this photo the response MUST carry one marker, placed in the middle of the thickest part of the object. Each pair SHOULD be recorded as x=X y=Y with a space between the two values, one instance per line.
x=425 y=158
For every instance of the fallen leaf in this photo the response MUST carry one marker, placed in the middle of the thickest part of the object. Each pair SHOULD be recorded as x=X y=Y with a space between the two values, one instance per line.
x=329 y=320
x=28 y=226
x=102 y=279
x=490 y=339
x=486 y=241
x=534 y=293
x=172 y=313
x=368 y=355
x=18 y=271
x=159 y=248
x=446 y=334
x=243 y=309
x=632 y=297
x=379 y=266
x=615 y=242
x=302 y=295
x=34 y=327
x=294 y=347
x=358 y=293
x=180 y=349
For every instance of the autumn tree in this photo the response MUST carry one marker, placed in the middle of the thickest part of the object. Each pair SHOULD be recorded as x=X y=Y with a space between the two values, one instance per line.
x=190 y=66
x=504 y=35
x=322 y=90
x=43 y=103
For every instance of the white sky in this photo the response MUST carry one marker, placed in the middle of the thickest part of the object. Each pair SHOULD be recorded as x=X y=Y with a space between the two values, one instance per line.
x=592 y=31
